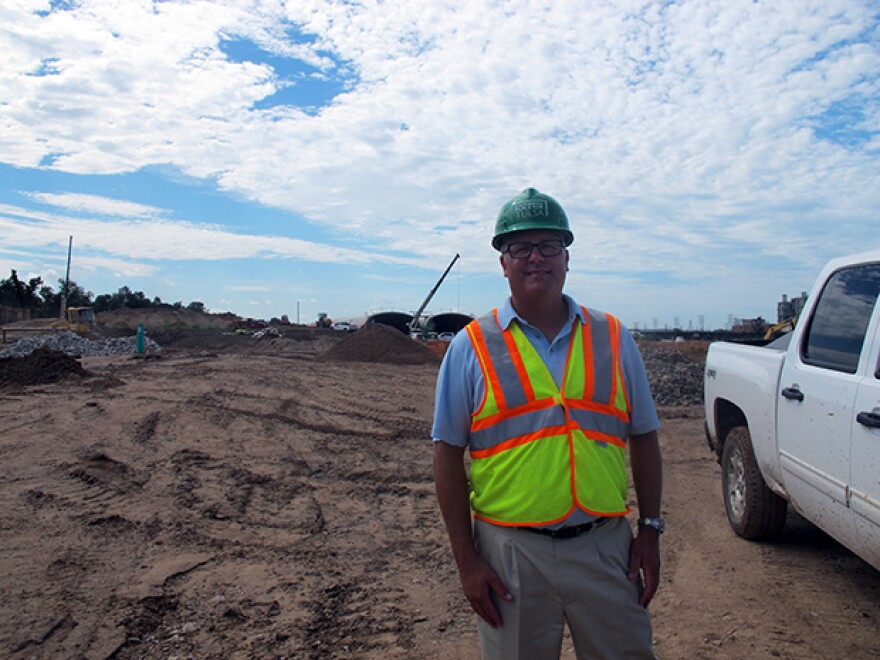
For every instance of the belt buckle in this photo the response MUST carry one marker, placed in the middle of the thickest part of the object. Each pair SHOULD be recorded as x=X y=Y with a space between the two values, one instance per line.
x=571 y=532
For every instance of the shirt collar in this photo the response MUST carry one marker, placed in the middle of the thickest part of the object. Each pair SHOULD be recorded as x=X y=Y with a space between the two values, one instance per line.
x=506 y=313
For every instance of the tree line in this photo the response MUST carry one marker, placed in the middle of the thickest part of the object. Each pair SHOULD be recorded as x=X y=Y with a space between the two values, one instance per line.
x=44 y=301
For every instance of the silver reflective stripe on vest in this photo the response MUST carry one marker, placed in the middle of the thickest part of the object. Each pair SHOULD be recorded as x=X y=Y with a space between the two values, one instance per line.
x=511 y=387
x=589 y=420
x=602 y=359
x=517 y=425
x=514 y=427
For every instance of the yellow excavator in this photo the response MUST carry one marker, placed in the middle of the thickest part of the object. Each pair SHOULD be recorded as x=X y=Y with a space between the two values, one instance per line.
x=781 y=328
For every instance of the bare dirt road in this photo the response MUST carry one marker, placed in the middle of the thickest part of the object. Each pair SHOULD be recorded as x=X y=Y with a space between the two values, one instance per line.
x=254 y=501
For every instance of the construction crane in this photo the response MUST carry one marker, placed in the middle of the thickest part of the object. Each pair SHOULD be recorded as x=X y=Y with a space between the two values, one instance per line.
x=416 y=320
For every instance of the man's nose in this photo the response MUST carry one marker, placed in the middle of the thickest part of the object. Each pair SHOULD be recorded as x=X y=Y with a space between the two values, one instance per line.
x=536 y=254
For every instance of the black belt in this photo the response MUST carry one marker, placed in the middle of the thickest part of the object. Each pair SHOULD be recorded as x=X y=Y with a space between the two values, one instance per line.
x=567 y=532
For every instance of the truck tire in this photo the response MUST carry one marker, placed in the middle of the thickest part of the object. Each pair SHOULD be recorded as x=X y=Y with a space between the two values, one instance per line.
x=754 y=511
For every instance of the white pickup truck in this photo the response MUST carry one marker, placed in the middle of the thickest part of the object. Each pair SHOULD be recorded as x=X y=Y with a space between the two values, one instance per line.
x=797 y=422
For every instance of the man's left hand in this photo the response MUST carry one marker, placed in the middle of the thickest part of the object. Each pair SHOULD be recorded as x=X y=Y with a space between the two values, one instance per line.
x=644 y=557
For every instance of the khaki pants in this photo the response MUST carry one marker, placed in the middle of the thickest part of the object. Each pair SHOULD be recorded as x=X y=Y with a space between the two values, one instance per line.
x=581 y=581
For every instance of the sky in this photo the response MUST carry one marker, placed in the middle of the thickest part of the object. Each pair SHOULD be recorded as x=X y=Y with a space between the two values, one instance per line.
x=267 y=157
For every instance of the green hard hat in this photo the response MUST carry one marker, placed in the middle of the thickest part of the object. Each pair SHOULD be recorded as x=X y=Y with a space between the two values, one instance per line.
x=531 y=210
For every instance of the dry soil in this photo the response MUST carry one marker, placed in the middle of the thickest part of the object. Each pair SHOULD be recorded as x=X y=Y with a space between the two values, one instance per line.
x=240 y=499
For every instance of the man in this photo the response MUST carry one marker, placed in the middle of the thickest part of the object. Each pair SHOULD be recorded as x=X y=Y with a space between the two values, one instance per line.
x=546 y=396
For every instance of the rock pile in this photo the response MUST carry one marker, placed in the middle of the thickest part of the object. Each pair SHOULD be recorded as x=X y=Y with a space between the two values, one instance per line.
x=676 y=380
x=71 y=343
x=268 y=333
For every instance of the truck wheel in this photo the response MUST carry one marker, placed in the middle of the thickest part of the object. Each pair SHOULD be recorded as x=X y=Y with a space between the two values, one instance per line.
x=754 y=511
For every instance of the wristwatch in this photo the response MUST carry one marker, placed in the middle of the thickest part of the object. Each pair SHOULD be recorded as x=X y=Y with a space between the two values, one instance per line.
x=657 y=523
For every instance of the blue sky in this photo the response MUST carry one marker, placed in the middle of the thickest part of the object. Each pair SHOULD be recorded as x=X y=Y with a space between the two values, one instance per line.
x=266 y=156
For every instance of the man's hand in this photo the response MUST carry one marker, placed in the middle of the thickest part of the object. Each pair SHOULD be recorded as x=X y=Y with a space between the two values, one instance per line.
x=647 y=471
x=479 y=580
x=644 y=557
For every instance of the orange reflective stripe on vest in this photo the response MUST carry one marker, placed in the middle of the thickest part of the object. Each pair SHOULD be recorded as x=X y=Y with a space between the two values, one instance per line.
x=539 y=453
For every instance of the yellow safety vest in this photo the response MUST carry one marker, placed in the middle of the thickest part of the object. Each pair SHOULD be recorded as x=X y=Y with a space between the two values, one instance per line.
x=537 y=453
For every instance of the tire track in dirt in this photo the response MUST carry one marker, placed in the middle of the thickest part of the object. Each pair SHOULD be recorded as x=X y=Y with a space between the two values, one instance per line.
x=237 y=507
x=260 y=505
x=93 y=488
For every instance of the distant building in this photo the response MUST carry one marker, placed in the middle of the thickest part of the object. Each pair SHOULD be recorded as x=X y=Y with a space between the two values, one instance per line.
x=787 y=309
x=755 y=326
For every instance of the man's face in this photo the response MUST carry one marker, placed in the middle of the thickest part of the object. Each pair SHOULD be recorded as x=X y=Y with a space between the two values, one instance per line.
x=536 y=276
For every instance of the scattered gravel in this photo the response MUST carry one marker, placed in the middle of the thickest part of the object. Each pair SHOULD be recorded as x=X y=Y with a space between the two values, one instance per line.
x=676 y=379
x=72 y=344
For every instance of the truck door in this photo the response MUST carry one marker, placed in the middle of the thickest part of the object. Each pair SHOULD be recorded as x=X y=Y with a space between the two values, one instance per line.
x=817 y=393
x=865 y=491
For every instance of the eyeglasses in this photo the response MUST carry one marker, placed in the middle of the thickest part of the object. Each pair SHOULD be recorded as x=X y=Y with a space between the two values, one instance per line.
x=524 y=250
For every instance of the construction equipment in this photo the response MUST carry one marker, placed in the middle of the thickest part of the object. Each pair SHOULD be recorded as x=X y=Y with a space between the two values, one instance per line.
x=415 y=325
x=80 y=320
x=780 y=328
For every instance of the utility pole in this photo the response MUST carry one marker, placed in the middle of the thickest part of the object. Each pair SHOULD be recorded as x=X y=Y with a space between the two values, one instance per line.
x=63 y=310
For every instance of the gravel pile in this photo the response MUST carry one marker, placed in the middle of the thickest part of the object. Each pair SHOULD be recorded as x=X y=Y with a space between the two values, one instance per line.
x=676 y=380
x=72 y=344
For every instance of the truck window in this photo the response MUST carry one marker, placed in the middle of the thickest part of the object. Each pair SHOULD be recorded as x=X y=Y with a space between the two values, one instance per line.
x=837 y=330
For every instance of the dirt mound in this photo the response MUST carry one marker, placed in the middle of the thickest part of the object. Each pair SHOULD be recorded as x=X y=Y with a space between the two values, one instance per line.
x=376 y=342
x=43 y=365
x=164 y=318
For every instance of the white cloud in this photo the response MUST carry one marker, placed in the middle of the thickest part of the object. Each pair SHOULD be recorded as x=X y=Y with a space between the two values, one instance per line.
x=96 y=204
x=681 y=137
x=161 y=239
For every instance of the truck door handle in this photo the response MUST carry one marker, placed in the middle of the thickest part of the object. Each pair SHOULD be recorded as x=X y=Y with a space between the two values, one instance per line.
x=869 y=419
x=793 y=393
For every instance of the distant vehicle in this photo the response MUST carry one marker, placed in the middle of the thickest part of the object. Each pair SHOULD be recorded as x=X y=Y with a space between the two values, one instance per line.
x=344 y=326
x=446 y=336
x=250 y=324
x=799 y=424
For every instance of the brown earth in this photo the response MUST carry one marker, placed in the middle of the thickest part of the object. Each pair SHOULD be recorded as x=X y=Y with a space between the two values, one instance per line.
x=238 y=498
x=42 y=366
x=126 y=319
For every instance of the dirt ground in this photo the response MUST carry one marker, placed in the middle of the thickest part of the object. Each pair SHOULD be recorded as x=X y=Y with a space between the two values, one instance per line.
x=245 y=499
